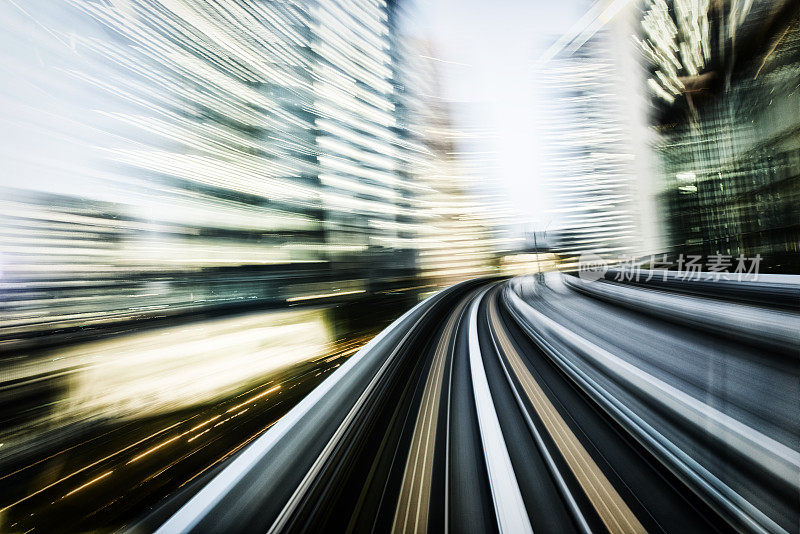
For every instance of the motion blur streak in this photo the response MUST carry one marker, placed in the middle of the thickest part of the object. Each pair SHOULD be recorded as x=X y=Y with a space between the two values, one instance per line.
x=673 y=128
x=185 y=156
x=76 y=490
x=612 y=509
x=494 y=406
x=212 y=213
x=251 y=399
x=198 y=198
x=159 y=451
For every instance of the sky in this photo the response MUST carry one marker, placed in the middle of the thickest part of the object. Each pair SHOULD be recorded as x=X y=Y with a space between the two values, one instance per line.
x=488 y=51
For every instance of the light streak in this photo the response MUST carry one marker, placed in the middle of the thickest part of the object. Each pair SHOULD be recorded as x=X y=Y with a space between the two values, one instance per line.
x=254 y=398
x=325 y=295
x=81 y=470
x=445 y=61
x=79 y=488
x=198 y=435
x=204 y=423
x=154 y=449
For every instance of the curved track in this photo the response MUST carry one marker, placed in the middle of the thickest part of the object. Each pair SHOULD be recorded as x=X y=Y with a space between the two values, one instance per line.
x=525 y=406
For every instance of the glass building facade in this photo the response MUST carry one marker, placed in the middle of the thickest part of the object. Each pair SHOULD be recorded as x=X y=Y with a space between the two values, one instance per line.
x=454 y=237
x=166 y=157
x=725 y=82
x=591 y=152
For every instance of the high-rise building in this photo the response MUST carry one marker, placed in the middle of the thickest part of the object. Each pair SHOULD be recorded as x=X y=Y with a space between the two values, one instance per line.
x=724 y=79
x=593 y=161
x=453 y=236
x=166 y=156
x=363 y=194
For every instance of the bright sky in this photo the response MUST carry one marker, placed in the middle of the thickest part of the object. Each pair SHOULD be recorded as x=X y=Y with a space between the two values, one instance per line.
x=492 y=47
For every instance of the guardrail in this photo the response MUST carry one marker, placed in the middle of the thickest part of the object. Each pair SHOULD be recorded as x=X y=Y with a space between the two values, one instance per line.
x=751 y=448
x=263 y=486
x=771 y=290
x=776 y=329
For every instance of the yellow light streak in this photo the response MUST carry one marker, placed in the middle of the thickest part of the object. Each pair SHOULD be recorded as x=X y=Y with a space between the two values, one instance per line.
x=198 y=435
x=204 y=423
x=325 y=295
x=82 y=469
x=154 y=449
x=79 y=488
x=254 y=398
